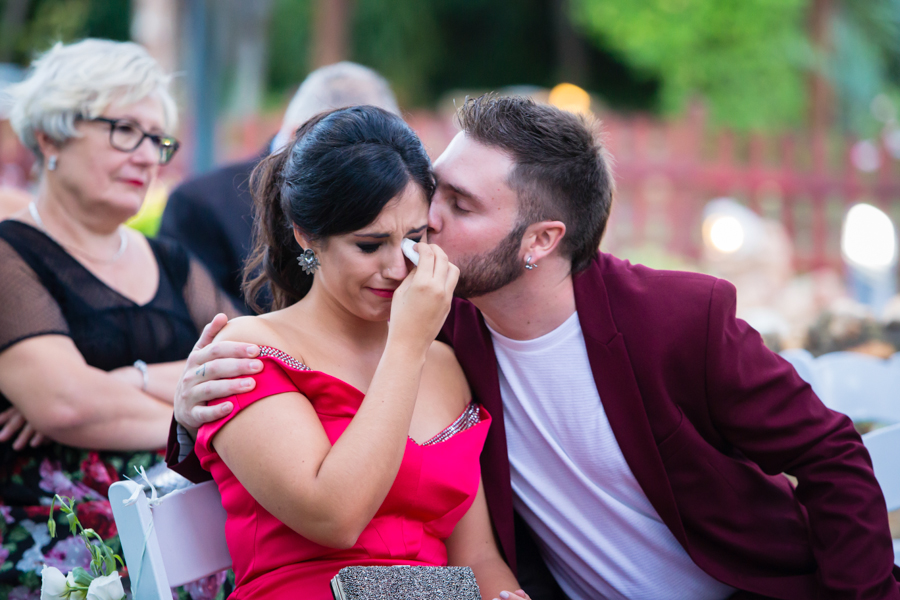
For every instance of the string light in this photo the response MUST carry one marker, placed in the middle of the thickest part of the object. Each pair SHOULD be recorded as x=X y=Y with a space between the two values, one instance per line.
x=570 y=97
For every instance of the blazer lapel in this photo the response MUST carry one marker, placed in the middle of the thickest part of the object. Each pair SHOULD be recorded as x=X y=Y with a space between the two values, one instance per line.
x=621 y=397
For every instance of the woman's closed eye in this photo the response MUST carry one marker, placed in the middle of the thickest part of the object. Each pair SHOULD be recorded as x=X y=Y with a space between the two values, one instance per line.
x=371 y=247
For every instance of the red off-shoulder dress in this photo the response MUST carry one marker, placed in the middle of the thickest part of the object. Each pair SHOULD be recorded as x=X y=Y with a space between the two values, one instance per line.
x=434 y=488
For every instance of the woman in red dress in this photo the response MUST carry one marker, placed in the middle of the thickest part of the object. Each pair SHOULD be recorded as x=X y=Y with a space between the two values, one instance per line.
x=359 y=443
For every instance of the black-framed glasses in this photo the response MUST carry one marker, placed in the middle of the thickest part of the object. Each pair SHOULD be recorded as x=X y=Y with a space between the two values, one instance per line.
x=126 y=136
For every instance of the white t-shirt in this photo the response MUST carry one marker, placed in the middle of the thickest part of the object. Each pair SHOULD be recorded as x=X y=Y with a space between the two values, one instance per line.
x=598 y=532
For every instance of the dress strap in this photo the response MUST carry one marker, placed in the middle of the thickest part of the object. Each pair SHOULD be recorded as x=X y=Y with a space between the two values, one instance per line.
x=470 y=417
x=283 y=357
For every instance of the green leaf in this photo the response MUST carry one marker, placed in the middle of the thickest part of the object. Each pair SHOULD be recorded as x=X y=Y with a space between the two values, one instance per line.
x=109 y=561
x=18 y=534
x=31 y=580
x=73 y=522
x=142 y=459
x=81 y=576
x=114 y=543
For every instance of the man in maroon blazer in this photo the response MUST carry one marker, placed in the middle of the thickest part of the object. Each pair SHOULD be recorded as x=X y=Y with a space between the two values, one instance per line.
x=641 y=432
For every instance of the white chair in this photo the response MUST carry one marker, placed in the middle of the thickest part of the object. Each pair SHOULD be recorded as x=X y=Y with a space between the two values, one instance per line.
x=864 y=388
x=176 y=541
x=804 y=363
x=884 y=448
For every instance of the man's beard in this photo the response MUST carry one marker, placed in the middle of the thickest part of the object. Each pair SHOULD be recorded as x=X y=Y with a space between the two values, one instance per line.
x=488 y=272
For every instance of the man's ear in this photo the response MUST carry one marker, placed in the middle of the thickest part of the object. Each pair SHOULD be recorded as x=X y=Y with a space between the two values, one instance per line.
x=542 y=238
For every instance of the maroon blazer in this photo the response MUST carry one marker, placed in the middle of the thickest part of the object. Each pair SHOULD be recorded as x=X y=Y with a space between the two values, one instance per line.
x=708 y=419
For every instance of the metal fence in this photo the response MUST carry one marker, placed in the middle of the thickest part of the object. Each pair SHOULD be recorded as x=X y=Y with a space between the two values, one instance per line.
x=666 y=172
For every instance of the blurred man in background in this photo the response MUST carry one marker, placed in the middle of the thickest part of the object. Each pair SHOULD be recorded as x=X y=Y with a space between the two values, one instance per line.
x=848 y=326
x=211 y=214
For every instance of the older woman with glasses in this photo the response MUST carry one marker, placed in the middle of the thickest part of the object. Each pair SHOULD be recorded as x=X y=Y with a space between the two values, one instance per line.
x=95 y=319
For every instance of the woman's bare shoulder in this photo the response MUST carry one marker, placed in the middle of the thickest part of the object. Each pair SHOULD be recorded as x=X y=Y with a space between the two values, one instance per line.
x=251 y=330
x=443 y=354
x=442 y=369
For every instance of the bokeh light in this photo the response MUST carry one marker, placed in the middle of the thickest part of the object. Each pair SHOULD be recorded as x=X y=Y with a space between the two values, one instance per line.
x=570 y=97
x=725 y=233
x=865 y=156
x=868 y=238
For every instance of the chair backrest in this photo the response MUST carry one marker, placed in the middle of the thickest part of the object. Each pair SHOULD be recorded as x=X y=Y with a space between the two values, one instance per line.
x=179 y=540
x=804 y=363
x=884 y=448
x=864 y=388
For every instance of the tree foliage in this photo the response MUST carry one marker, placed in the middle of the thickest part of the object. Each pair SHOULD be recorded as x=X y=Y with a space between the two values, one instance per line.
x=398 y=39
x=428 y=47
x=289 y=40
x=866 y=59
x=747 y=58
x=50 y=21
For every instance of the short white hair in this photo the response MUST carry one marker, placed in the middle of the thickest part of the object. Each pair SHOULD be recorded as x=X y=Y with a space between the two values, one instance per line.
x=335 y=86
x=81 y=80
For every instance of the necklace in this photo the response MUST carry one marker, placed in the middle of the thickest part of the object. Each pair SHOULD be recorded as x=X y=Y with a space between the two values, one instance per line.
x=123 y=239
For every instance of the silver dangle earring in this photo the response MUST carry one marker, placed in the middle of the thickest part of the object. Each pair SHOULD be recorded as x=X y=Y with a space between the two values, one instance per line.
x=51 y=163
x=308 y=261
x=528 y=264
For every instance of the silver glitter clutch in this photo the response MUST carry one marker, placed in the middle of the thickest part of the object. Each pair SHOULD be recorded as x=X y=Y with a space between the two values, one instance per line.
x=405 y=583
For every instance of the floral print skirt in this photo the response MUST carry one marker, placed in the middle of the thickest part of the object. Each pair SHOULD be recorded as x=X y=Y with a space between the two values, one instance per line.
x=28 y=482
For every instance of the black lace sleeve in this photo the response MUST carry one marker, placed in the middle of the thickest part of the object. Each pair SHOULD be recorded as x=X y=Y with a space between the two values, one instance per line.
x=27 y=308
x=204 y=298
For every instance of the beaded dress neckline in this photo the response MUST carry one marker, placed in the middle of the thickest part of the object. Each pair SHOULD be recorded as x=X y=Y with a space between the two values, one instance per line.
x=469 y=417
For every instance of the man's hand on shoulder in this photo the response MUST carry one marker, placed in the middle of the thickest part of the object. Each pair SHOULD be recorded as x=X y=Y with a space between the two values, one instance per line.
x=214 y=369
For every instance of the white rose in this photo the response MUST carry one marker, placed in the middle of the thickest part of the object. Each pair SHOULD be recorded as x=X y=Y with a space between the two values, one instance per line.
x=76 y=594
x=53 y=584
x=108 y=587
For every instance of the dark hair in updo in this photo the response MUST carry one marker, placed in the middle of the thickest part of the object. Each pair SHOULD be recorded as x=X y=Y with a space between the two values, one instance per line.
x=335 y=177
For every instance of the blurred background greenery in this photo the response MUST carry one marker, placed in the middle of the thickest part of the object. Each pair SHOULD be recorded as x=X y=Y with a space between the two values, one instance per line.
x=754 y=63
